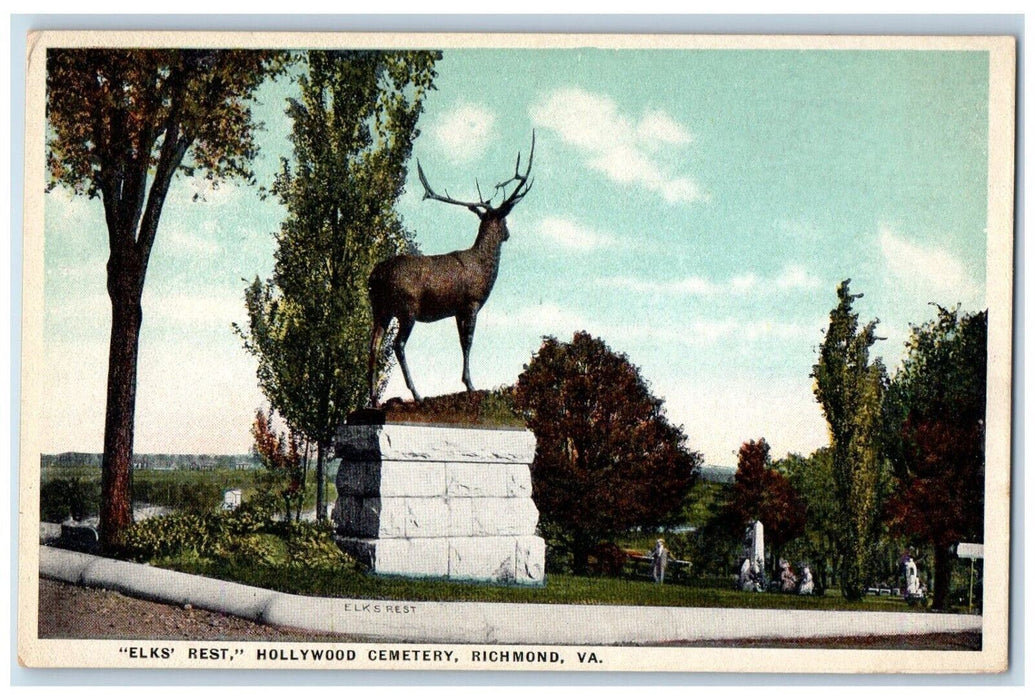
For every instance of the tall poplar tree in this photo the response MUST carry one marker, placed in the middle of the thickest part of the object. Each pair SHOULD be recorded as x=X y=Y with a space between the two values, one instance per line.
x=309 y=325
x=121 y=124
x=850 y=389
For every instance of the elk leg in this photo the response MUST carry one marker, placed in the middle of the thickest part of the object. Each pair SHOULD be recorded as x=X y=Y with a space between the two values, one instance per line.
x=465 y=326
x=375 y=346
x=405 y=326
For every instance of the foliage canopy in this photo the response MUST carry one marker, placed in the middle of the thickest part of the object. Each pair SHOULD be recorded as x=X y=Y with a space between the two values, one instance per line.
x=850 y=389
x=353 y=130
x=121 y=123
x=607 y=459
x=935 y=412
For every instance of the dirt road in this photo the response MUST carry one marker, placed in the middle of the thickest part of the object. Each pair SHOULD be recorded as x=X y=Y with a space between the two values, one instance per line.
x=74 y=612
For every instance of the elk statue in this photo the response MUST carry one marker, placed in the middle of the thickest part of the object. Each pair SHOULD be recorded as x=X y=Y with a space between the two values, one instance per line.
x=429 y=288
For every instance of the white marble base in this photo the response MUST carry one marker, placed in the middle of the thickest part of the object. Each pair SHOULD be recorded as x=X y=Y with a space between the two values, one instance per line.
x=502 y=559
x=424 y=500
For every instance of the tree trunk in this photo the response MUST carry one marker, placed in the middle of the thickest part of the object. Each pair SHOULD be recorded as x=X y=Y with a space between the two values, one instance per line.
x=124 y=289
x=580 y=558
x=851 y=575
x=305 y=473
x=943 y=558
x=321 y=509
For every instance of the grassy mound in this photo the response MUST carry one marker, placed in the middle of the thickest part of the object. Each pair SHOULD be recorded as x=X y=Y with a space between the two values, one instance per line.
x=489 y=409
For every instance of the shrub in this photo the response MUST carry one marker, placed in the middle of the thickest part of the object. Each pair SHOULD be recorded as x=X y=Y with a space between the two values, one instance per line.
x=312 y=545
x=170 y=535
x=247 y=534
x=607 y=559
x=61 y=498
x=280 y=484
x=208 y=535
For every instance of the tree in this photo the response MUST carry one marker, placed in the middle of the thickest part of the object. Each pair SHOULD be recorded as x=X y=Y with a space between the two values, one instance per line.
x=813 y=478
x=762 y=493
x=309 y=325
x=606 y=458
x=850 y=389
x=282 y=479
x=935 y=411
x=121 y=124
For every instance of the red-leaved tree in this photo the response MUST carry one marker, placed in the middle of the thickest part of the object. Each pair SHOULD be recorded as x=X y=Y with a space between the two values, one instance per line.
x=282 y=480
x=607 y=459
x=935 y=412
x=762 y=493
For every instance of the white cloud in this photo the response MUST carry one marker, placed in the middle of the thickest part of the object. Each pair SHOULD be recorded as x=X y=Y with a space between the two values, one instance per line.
x=796 y=277
x=171 y=414
x=191 y=243
x=63 y=206
x=719 y=416
x=546 y=318
x=692 y=286
x=708 y=331
x=792 y=277
x=463 y=132
x=623 y=147
x=195 y=310
x=572 y=234
x=927 y=272
x=742 y=284
x=549 y=318
x=657 y=129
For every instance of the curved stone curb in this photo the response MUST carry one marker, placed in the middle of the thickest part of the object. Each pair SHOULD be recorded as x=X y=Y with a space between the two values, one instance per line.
x=484 y=623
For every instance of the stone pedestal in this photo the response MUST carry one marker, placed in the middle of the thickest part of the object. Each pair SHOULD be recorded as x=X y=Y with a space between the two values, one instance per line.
x=440 y=501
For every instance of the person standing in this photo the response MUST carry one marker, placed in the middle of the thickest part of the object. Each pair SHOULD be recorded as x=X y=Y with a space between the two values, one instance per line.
x=659 y=558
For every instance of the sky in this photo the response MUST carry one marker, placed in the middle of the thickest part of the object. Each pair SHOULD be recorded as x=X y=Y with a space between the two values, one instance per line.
x=695 y=209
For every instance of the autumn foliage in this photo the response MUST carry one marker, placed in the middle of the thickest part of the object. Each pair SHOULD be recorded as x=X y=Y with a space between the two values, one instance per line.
x=282 y=480
x=936 y=414
x=607 y=459
x=762 y=493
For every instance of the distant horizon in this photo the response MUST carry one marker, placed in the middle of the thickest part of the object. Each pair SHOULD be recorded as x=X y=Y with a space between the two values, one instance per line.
x=248 y=454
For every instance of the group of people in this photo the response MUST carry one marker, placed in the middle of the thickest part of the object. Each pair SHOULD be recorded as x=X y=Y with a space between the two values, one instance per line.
x=789 y=583
x=752 y=574
x=752 y=578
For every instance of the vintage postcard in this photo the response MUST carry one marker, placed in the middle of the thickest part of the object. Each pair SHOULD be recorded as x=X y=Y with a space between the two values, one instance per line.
x=517 y=352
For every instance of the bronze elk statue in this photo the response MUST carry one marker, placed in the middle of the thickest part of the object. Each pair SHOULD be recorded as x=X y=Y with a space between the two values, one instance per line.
x=427 y=288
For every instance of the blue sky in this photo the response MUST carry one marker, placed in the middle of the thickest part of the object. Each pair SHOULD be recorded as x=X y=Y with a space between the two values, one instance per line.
x=696 y=209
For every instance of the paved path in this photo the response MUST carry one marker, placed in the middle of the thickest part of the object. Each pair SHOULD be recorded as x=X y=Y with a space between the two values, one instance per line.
x=503 y=623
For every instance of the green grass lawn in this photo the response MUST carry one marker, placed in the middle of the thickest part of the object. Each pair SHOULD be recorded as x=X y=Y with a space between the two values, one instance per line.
x=347 y=582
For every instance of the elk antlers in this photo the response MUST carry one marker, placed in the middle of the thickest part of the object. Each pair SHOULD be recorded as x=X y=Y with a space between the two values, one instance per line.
x=484 y=206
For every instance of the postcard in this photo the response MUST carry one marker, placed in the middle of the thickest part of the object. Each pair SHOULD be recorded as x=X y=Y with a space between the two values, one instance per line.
x=517 y=352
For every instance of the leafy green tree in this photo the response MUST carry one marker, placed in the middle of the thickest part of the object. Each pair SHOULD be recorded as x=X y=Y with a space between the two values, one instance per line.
x=121 y=124
x=850 y=389
x=607 y=459
x=813 y=478
x=309 y=326
x=935 y=410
